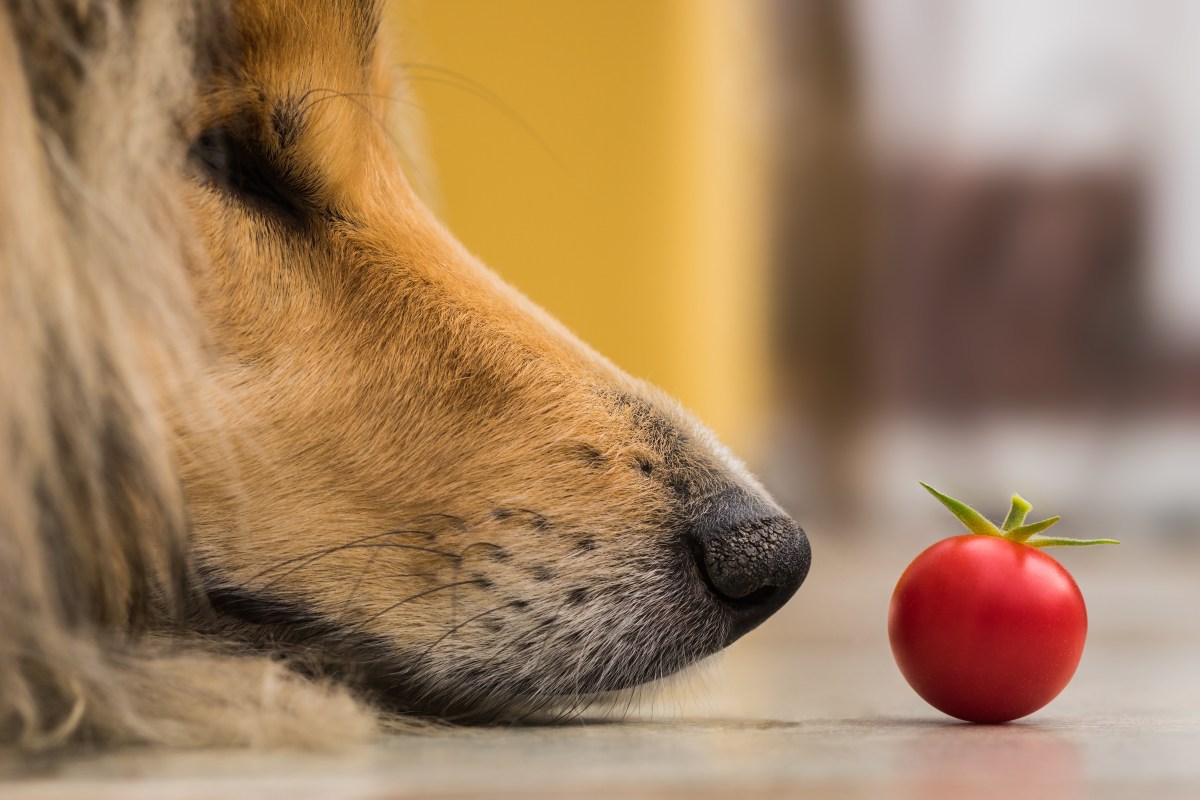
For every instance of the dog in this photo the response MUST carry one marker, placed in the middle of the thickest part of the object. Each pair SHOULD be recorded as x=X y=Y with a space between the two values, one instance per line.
x=282 y=459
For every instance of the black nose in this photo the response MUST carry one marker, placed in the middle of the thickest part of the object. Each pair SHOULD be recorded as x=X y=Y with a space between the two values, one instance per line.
x=753 y=564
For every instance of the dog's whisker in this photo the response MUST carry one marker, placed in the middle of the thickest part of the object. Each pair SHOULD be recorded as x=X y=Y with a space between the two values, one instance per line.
x=459 y=626
x=410 y=164
x=462 y=555
x=358 y=581
x=448 y=77
x=312 y=556
x=393 y=575
x=416 y=596
x=457 y=522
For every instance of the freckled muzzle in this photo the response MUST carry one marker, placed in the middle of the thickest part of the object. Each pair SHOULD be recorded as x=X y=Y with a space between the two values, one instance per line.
x=752 y=559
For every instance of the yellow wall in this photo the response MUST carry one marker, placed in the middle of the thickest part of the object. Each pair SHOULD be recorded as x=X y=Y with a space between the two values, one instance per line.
x=601 y=156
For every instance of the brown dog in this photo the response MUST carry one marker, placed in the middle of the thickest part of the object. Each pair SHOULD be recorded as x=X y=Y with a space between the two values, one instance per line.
x=263 y=403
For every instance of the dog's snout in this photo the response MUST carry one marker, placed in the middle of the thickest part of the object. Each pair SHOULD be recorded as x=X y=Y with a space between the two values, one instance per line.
x=752 y=563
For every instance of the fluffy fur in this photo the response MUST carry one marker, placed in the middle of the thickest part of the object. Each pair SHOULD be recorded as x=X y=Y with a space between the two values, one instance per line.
x=279 y=453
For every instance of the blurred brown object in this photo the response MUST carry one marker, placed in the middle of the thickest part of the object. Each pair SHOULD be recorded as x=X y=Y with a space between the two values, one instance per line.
x=996 y=289
x=819 y=247
x=933 y=287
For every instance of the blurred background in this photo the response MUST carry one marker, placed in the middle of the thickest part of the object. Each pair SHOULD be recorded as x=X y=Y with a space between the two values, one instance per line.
x=867 y=242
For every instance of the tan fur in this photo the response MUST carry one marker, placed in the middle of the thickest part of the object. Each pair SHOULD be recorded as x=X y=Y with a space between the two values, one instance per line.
x=324 y=431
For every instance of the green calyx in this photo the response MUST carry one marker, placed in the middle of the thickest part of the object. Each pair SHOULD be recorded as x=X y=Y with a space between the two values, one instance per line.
x=1013 y=528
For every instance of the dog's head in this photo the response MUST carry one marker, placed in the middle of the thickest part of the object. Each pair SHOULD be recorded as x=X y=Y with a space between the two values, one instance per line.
x=417 y=477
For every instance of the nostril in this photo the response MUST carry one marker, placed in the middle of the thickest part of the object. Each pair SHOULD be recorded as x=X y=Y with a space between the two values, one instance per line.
x=755 y=599
x=728 y=593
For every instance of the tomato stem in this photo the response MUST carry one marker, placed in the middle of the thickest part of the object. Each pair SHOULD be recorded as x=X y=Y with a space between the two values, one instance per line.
x=975 y=522
x=1023 y=533
x=1017 y=512
x=1050 y=541
x=1014 y=528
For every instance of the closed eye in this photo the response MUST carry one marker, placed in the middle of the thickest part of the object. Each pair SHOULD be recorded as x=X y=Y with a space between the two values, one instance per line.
x=242 y=167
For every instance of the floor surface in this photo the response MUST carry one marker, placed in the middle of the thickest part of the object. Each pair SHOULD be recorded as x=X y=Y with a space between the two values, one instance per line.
x=810 y=705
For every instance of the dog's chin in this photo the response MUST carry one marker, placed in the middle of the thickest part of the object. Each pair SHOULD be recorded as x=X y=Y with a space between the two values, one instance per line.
x=538 y=679
x=554 y=667
x=476 y=693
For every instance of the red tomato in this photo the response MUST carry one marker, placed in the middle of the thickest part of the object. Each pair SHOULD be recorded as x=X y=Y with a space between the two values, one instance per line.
x=987 y=629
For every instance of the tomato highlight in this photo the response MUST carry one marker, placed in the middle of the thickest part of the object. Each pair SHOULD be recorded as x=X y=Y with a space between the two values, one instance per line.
x=985 y=626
